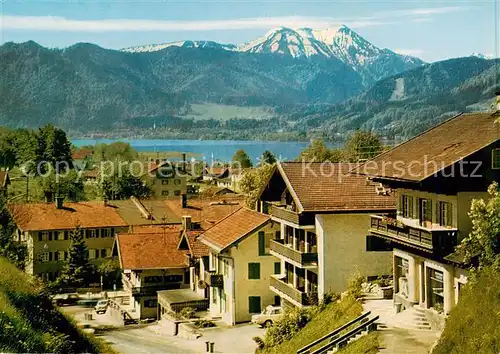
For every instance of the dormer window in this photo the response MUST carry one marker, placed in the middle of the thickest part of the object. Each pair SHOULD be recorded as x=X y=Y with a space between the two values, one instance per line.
x=495 y=159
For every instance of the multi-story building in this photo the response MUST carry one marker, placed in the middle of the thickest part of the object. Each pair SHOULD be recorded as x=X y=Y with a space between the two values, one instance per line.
x=435 y=176
x=322 y=212
x=167 y=180
x=151 y=261
x=240 y=265
x=45 y=229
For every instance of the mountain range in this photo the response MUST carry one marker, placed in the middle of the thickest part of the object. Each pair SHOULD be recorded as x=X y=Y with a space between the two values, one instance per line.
x=326 y=82
x=341 y=43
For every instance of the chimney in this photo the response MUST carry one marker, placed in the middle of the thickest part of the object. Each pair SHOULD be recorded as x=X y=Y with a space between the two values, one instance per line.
x=186 y=222
x=59 y=202
x=184 y=200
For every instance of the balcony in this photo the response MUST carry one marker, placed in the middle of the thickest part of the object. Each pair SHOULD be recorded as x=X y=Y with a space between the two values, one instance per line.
x=214 y=279
x=280 y=212
x=438 y=241
x=304 y=259
x=296 y=296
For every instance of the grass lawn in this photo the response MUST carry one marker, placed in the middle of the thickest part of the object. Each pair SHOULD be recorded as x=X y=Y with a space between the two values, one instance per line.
x=474 y=324
x=332 y=317
x=224 y=112
x=17 y=187
x=368 y=344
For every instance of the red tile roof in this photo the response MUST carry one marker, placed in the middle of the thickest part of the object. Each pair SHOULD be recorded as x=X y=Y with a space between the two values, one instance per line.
x=329 y=187
x=45 y=216
x=206 y=211
x=156 y=249
x=81 y=154
x=435 y=149
x=197 y=248
x=233 y=228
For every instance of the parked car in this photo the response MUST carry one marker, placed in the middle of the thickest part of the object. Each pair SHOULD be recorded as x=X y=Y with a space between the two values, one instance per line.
x=65 y=299
x=268 y=316
x=101 y=306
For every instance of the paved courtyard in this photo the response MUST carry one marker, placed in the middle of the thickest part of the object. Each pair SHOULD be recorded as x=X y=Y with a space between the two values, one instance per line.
x=150 y=339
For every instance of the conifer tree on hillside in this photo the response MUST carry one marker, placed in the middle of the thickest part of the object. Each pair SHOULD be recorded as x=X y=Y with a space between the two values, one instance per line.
x=77 y=271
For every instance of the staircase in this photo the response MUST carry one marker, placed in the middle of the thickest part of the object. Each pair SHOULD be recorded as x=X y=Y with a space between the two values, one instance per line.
x=342 y=336
x=412 y=318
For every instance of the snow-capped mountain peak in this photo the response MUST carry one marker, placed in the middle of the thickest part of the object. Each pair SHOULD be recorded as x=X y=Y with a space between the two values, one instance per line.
x=481 y=55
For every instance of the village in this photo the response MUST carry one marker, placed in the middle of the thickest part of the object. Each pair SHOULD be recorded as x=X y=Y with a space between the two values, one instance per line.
x=205 y=265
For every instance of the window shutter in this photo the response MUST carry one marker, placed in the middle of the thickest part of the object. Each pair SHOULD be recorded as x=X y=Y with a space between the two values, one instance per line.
x=66 y=235
x=262 y=243
x=50 y=256
x=253 y=270
x=277 y=268
x=254 y=304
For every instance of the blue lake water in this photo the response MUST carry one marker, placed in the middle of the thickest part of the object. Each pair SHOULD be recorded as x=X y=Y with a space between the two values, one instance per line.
x=218 y=149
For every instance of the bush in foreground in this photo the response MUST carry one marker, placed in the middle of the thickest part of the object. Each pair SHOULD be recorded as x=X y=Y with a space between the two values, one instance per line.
x=30 y=323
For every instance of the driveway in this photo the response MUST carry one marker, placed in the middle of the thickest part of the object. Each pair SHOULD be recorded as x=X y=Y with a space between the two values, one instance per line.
x=236 y=339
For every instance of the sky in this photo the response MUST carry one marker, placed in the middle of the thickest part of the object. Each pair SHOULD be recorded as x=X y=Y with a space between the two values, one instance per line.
x=431 y=30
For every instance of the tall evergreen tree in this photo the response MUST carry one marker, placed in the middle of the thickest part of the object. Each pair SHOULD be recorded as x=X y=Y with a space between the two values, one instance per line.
x=242 y=159
x=77 y=271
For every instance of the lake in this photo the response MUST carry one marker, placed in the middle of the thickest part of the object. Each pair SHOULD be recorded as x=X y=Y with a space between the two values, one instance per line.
x=218 y=149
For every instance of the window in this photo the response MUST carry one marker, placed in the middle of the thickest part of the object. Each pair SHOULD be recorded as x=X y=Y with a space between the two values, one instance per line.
x=277 y=300
x=40 y=236
x=150 y=303
x=153 y=279
x=104 y=253
x=177 y=181
x=66 y=235
x=277 y=267
x=164 y=193
x=56 y=256
x=377 y=244
x=164 y=182
x=425 y=210
x=177 y=192
x=175 y=278
x=50 y=256
x=445 y=213
x=253 y=270
x=50 y=235
x=105 y=232
x=254 y=304
x=44 y=257
x=92 y=253
x=495 y=156
x=407 y=206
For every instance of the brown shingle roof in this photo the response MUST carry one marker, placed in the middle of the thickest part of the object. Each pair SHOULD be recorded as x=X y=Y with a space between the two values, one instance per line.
x=154 y=250
x=435 y=149
x=234 y=227
x=329 y=187
x=45 y=216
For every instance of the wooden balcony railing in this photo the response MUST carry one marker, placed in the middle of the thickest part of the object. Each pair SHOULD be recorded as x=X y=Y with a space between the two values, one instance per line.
x=151 y=289
x=280 y=212
x=302 y=258
x=441 y=240
x=303 y=298
x=214 y=279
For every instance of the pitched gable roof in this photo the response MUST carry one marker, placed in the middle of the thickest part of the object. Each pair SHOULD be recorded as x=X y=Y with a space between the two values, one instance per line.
x=233 y=228
x=435 y=149
x=156 y=249
x=196 y=248
x=329 y=187
x=45 y=216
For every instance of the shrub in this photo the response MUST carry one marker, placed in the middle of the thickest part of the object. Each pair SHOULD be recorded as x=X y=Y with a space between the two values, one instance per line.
x=259 y=342
x=187 y=313
x=204 y=324
x=284 y=329
x=354 y=286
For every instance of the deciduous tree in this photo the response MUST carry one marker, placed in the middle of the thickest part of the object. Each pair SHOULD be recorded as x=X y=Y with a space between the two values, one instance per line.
x=253 y=181
x=362 y=145
x=242 y=159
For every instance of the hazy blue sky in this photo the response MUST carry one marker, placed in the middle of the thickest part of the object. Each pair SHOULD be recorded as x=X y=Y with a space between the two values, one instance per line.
x=432 y=30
